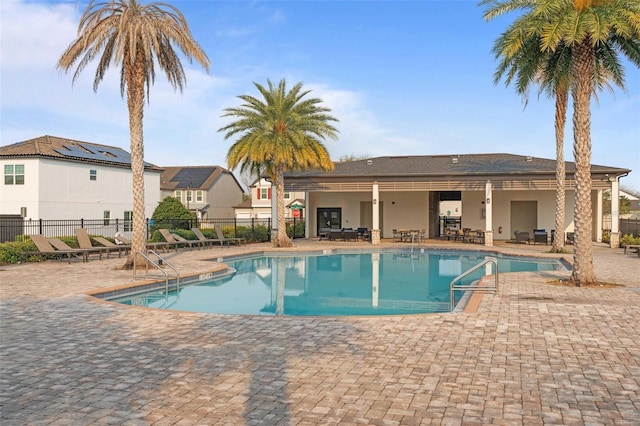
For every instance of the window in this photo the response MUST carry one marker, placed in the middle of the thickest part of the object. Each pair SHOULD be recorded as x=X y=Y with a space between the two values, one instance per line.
x=14 y=174
x=107 y=217
x=287 y=195
x=93 y=175
x=189 y=195
x=199 y=196
x=128 y=221
x=264 y=193
x=178 y=195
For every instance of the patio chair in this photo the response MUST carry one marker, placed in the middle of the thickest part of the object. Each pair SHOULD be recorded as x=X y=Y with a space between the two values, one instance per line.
x=221 y=237
x=363 y=234
x=84 y=241
x=204 y=240
x=540 y=236
x=571 y=236
x=522 y=237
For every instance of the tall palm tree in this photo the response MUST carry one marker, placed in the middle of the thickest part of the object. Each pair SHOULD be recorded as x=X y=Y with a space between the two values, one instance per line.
x=283 y=132
x=597 y=31
x=551 y=71
x=133 y=36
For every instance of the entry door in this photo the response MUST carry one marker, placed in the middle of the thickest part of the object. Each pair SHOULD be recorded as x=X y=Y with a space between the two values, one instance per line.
x=329 y=217
x=524 y=216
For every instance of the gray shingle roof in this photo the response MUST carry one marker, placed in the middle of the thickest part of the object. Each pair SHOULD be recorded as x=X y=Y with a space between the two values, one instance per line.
x=446 y=165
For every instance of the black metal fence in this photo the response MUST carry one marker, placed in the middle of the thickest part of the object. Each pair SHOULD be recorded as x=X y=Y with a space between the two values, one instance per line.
x=11 y=228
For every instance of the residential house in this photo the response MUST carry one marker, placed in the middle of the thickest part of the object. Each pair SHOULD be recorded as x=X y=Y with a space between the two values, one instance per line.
x=57 y=178
x=258 y=206
x=209 y=191
x=499 y=194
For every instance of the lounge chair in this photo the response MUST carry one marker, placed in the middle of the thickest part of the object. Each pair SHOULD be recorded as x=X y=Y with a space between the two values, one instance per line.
x=112 y=246
x=122 y=241
x=236 y=240
x=44 y=247
x=84 y=241
x=204 y=240
x=190 y=243
x=175 y=240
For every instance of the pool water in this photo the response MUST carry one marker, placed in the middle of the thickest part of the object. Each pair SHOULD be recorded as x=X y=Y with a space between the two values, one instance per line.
x=387 y=283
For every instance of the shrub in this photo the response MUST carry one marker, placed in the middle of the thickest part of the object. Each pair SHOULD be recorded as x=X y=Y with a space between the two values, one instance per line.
x=170 y=214
x=629 y=239
x=298 y=231
x=12 y=252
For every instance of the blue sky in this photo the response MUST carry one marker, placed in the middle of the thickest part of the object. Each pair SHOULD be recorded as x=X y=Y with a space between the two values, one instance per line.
x=403 y=78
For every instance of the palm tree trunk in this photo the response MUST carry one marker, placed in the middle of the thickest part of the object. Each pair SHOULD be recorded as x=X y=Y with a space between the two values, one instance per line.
x=282 y=240
x=582 y=72
x=562 y=97
x=135 y=103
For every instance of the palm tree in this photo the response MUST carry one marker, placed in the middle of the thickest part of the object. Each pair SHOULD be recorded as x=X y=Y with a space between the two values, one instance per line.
x=133 y=36
x=281 y=133
x=552 y=72
x=597 y=31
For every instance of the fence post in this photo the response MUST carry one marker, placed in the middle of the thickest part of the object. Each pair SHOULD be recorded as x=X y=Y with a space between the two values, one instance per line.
x=81 y=223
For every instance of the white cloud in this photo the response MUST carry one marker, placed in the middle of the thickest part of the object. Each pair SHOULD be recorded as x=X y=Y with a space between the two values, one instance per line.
x=35 y=34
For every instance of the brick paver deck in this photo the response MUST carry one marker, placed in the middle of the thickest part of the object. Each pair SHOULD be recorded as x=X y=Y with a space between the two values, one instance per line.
x=535 y=354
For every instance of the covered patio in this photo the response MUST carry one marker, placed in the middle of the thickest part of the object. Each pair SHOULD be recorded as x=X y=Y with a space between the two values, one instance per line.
x=498 y=194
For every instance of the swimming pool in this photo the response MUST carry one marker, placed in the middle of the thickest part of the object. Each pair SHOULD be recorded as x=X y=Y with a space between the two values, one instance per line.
x=343 y=284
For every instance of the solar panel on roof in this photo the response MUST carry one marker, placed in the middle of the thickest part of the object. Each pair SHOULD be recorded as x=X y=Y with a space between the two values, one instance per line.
x=192 y=177
x=97 y=153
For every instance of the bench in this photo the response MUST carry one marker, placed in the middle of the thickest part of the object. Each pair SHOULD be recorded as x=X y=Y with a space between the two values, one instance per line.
x=629 y=246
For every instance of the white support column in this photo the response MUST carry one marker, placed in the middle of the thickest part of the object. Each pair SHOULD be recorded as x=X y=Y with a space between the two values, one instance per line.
x=615 y=214
x=599 y=215
x=274 y=213
x=307 y=228
x=488 y=221
x=375 y=201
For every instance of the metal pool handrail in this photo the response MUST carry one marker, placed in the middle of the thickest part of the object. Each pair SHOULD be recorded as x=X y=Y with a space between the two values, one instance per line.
x=161 y=261
x=473 y=287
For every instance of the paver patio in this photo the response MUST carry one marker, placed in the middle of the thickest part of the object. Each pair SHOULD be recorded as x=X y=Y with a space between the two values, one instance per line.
x=535 y=354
